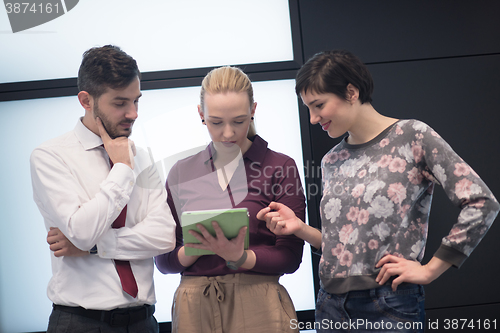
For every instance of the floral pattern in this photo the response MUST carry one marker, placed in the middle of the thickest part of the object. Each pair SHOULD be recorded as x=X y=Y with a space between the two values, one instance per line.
x=377 y=198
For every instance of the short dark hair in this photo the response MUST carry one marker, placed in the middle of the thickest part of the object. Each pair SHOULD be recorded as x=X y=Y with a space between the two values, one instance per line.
x=331 y=72
x=106 y=67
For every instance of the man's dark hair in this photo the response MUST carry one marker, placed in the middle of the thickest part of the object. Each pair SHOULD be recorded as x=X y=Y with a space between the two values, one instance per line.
x=331 y=72
x=106 y=67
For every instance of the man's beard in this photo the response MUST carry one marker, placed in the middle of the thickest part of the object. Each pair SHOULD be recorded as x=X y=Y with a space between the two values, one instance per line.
x=112 y=130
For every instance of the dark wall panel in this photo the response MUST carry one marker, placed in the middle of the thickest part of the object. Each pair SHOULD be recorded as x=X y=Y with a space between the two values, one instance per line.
x=394 y=30
x=459 y=98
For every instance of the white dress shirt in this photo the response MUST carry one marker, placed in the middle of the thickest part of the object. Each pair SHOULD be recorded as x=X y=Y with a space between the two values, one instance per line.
x=76 y=192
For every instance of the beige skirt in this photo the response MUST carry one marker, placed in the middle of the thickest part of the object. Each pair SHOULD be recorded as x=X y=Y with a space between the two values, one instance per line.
x=233 y=303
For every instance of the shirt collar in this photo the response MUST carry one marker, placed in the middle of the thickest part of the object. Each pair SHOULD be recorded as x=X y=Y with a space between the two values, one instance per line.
x=87 y=138
x=255 y=153
x=257 y=150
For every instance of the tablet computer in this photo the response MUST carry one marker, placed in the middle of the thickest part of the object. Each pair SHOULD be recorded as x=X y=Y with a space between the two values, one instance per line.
x=230 y=221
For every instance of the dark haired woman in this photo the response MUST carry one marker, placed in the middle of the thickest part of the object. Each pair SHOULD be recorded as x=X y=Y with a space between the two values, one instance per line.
x=378 y=184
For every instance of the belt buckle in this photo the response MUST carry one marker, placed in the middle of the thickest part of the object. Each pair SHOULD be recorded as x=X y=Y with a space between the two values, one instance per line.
x=119 y=318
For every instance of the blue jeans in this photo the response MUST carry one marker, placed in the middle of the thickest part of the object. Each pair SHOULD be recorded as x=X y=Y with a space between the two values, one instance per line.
x=372 y=310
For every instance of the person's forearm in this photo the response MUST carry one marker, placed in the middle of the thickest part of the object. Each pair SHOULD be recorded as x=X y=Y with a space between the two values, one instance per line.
x=251 y=260
x=436 y=267
x=61 y=200
x=284 y=257
x=152 y=236
x=310 y=235
x=185 y=260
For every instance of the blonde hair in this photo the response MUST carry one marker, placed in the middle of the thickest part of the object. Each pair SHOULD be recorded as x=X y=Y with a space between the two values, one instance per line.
x=225 y=79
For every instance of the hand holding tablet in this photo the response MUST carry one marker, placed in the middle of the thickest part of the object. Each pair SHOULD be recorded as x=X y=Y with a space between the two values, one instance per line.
x=229 y=220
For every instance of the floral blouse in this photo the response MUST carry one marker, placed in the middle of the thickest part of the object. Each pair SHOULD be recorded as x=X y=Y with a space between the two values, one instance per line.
x=377 y=198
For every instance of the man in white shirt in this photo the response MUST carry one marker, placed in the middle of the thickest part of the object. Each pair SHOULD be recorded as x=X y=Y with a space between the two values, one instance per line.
x=104 y=206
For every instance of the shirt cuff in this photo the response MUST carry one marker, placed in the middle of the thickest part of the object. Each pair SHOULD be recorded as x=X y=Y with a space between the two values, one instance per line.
x=450 y=255
x=123 y=176
x=107 y=244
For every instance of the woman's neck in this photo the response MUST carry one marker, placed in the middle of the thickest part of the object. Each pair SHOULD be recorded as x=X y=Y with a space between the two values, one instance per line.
x=226 y=158
x=368 y=125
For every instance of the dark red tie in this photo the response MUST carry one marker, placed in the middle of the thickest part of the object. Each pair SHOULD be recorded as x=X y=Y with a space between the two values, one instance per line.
x=122 y=266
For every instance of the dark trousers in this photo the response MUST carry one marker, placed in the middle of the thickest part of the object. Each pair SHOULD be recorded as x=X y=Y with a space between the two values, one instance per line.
x=64 y=322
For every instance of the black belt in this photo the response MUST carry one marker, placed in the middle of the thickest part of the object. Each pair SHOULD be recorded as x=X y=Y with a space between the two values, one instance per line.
x=115 y=318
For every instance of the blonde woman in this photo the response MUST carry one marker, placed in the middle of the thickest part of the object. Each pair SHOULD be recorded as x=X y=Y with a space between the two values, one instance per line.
x=235 y=290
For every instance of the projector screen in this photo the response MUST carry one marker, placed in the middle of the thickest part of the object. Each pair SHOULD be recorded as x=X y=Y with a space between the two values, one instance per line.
x=164 y=116
x=159 y=34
